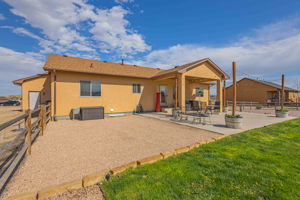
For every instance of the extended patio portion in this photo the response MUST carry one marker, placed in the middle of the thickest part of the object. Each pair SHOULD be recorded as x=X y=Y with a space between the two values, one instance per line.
x=216 y=122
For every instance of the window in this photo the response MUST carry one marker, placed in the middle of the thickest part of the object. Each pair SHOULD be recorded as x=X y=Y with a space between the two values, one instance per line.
x=90 y=88
x=136 y=88
x=199 y=92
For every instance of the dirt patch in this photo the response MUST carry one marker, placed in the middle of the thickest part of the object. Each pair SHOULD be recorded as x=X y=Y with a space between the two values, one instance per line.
x=89 y=193
x=9 y=112
x=71 y=149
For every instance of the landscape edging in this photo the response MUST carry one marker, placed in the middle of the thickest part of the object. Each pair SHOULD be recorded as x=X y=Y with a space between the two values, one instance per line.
x=95 y=178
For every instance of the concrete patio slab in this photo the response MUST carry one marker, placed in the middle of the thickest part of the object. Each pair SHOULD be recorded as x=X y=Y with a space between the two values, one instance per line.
x=250 y=121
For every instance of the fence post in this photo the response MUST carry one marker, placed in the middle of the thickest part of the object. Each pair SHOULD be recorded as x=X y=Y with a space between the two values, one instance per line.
x=42 y=119
x=50 y=114
x=29 y=131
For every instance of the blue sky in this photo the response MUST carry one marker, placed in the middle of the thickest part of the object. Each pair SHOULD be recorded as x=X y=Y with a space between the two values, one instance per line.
x=262 y=36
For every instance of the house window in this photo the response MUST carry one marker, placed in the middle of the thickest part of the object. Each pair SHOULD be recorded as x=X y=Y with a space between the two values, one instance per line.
x=90 y=88
x=136 y=88
x=199 y=92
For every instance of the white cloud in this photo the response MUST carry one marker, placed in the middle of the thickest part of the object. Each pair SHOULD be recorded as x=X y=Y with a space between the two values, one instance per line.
x=2 y=17
x=269 y=50
x=65 y=25
x=124 y=1
x=110 y=29
x=17 y=64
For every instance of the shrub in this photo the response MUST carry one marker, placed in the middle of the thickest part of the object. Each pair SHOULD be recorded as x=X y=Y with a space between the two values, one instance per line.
x=258 y=107
x=233 y=116
x=282 y=110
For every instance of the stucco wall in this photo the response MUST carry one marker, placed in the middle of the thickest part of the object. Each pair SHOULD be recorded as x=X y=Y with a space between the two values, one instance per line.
x=116 y=93
x=204 y=70
x=191 y=91
x=40 y=84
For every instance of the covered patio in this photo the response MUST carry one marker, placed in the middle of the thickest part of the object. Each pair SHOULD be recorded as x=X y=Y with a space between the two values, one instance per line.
x=190 y=82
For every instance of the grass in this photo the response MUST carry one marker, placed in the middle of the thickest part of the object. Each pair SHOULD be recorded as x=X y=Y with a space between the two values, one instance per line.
x=261 y=164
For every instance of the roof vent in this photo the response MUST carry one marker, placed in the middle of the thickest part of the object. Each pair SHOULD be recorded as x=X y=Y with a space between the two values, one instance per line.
x=91 y=66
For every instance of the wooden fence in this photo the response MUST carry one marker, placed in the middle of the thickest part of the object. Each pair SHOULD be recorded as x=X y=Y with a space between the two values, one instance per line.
x=12 y=152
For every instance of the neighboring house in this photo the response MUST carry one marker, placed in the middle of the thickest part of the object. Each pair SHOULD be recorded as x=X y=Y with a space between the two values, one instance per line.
x=260 y=91
x=75 y=82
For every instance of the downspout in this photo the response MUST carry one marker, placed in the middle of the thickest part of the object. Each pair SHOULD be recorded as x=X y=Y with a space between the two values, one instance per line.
x=54 y=103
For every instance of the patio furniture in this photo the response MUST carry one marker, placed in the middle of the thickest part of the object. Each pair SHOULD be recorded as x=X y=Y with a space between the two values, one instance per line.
x=188 y=105
x=213 y=108
x=176 y=114
x=88 y=113
x=183 y=116
x=197 y=119
x=205 y=117
x=196 y=105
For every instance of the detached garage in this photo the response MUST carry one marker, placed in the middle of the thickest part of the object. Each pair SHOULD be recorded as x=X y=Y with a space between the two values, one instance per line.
x=35 y=90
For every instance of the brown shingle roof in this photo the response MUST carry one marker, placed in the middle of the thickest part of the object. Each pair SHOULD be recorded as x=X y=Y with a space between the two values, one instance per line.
x=20 y=81
x=67 y=63
x=268 y=83
x=73 y=64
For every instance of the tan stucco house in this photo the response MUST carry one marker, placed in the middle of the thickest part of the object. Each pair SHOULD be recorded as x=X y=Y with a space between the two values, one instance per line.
x=70 y=82
x=252 y=90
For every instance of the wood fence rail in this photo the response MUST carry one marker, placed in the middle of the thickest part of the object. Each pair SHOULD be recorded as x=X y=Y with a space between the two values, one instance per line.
x=12 y=153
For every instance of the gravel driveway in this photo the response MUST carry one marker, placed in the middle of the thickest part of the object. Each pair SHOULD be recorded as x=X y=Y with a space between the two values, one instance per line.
x=72 y=149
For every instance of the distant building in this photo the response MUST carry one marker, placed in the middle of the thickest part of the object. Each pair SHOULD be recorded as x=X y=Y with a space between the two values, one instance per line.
x=261 y=91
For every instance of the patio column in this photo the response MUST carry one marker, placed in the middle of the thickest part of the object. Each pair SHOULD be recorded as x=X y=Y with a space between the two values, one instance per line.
x=182 y=92
x=220 y=94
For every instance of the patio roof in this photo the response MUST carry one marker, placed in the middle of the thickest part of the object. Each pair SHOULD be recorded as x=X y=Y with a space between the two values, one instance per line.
x=185 y=67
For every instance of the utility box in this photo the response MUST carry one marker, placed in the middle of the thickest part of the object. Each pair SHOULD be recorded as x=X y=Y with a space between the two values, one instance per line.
x=89 y=113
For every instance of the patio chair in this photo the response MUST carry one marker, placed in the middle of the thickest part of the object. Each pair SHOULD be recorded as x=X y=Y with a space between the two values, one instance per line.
x=205 y=116
x=176 y=114
x=213 y=108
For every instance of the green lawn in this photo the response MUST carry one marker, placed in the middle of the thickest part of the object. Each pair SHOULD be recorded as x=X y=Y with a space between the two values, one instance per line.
x=261 y=164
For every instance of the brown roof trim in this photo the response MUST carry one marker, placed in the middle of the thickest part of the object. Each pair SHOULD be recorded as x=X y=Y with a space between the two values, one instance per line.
x=20 y=81
x=59 y=70
x=183 y=68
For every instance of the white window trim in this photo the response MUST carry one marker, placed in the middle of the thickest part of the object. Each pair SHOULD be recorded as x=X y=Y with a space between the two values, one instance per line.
x=90 y=88
x=133 y=88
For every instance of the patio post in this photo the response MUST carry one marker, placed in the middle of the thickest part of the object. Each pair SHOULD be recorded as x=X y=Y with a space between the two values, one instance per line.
x=182 y=92
x=220 y=94
x=176 y=90
x=282 y=92
x=224 y=93
x=234 y=88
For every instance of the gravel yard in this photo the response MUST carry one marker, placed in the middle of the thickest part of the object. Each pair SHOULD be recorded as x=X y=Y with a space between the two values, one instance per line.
x=72 y=149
